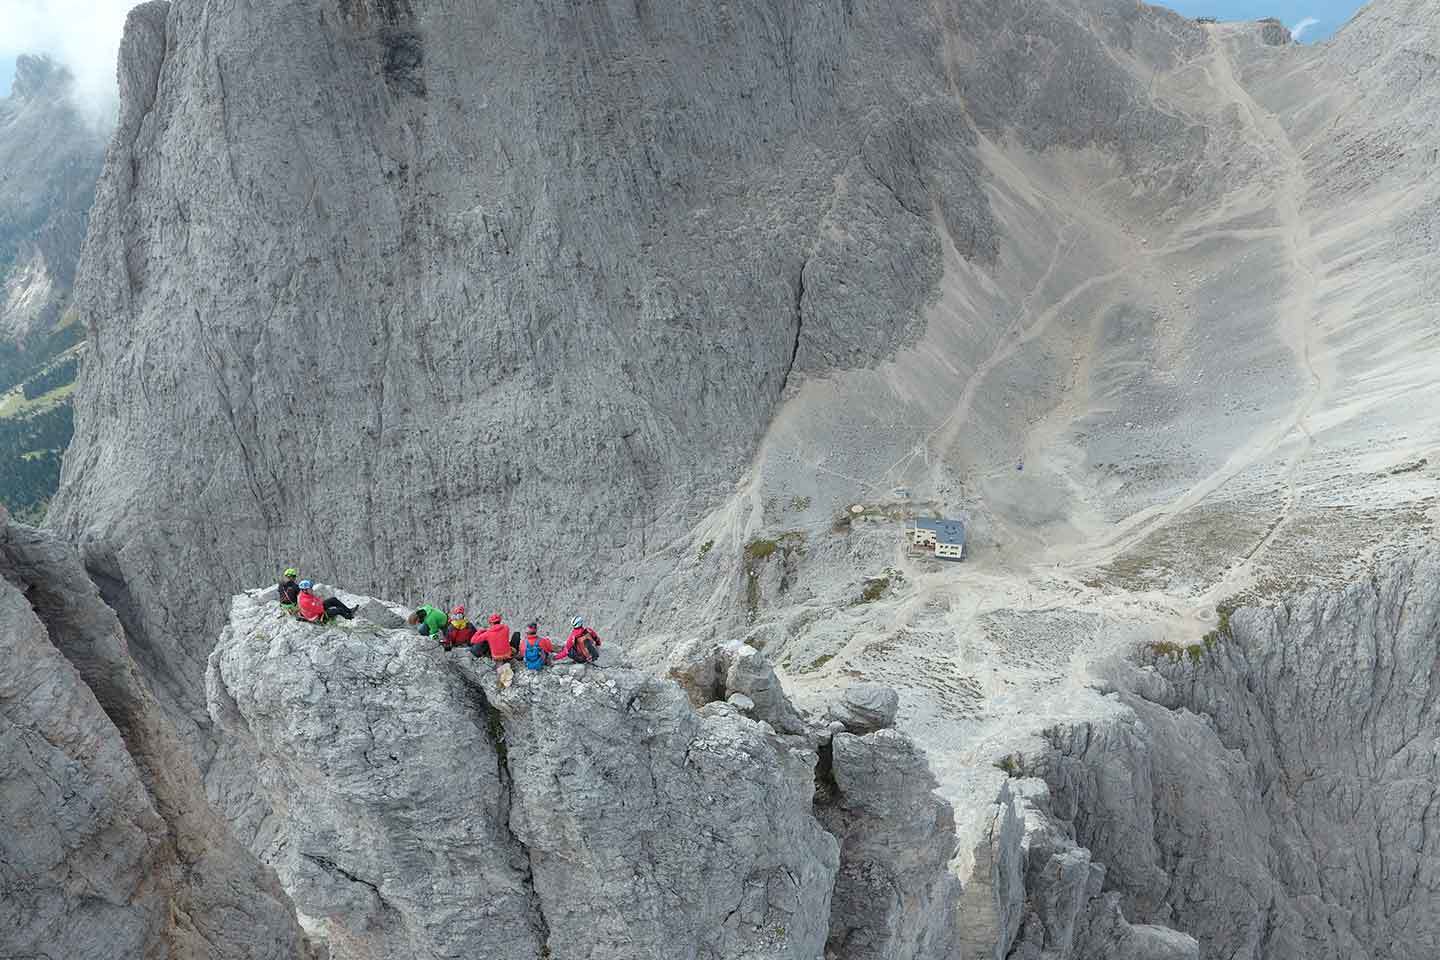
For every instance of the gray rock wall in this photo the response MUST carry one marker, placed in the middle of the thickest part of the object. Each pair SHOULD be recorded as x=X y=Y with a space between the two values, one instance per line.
x=73 y=805
x=895 y=896
x=110 y=848
x=1276 y=799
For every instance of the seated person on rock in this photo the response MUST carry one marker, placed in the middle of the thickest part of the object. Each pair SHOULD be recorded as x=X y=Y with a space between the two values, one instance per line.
x=583 y=645
x=495 y=639
x=459 y=632
x=289 y=590
x=429 y=621
x=315 y=610
x=535 y=649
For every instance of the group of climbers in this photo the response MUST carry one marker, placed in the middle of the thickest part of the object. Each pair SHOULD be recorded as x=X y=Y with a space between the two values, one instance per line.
x=299 y=599
x=502 y=645
x=454 y=631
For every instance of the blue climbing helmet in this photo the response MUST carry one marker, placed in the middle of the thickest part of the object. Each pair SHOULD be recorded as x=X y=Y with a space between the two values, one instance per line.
x=578 y=622
x=306 y=584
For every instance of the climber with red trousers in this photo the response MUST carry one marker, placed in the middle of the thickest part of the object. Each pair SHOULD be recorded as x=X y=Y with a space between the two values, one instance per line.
x=459 y=632
x=315 y=610
x=494 y=640
x=583 y=645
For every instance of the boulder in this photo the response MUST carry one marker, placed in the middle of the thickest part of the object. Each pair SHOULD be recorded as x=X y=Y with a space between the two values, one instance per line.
x=865 y=707
x=380 y=614
x=749 y=672
x=699 y=668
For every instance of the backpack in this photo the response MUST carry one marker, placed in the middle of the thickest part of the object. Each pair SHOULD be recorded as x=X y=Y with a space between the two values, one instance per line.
x=515 y=643
x=534 y=656
x=584 y=650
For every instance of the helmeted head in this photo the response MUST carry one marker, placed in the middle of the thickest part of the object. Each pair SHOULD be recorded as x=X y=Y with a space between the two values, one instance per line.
x=306 y=584
x=578 y=622
x=494 y=618
x=458 y=611
x=291 y=573
x=532 y=628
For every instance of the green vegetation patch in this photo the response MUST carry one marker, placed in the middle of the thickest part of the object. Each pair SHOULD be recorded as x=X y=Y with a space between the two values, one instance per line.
x=31 y=448
x=36 y=421
x=705 y=548
x=1013 y=764
x=877 y=587
x=757 y=553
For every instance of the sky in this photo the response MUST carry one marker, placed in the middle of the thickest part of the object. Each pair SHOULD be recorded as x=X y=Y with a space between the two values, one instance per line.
x=84 y=34
x=1309 y=20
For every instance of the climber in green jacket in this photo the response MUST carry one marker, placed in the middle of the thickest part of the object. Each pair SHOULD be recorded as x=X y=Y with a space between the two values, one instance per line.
x=429 y=621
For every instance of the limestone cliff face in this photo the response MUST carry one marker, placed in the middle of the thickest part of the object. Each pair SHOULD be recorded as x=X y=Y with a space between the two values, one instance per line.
x=110 y=849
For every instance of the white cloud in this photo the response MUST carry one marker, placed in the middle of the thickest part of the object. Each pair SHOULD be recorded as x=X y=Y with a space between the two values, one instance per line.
x=1301 y=27
x=82 y=34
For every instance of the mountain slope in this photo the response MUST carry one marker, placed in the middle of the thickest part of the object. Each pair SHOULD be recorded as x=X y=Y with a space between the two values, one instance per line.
x=50 y=159
x=618 y=310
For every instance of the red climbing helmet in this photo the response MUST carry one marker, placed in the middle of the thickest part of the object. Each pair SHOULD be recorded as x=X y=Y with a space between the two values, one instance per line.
x=494 y=618
x=458 y=610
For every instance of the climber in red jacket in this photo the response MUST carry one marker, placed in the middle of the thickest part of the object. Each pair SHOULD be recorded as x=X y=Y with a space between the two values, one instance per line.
x=459 y=632
x=583 y=645
x=315 y=610
x=495 y=639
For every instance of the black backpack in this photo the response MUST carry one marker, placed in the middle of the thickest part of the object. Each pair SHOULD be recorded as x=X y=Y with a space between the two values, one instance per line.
x=515 y=642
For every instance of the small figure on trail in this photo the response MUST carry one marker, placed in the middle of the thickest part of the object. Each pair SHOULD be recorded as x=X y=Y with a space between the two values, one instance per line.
x=315 y=610
x=536 y=649
x=496 y=639
x=289 y=590
x=460 y=631
x=583 y=645
x=428 y=621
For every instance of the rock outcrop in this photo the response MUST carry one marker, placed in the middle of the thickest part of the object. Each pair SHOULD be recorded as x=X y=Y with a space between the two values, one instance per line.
x=1273 y=797
x=110 y=849
x=866 y=707
x=895 y=895
x=603 y=812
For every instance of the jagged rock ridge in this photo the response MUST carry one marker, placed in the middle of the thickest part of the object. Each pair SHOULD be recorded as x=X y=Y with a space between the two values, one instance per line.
x=602 y=813
x=1274 y=798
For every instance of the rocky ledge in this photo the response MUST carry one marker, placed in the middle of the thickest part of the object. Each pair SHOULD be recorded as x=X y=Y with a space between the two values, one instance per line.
x=412 y=806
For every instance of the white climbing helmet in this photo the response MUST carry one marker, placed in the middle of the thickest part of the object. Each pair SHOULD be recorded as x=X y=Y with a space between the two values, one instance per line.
x=578 y=622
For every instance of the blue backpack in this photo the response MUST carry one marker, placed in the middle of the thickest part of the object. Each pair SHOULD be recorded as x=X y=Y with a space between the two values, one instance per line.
x=534 y=656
